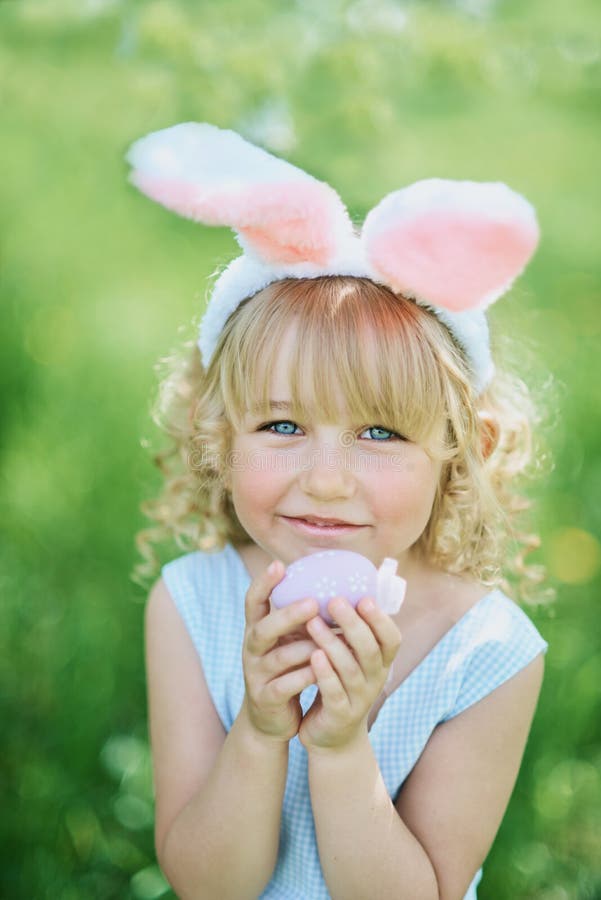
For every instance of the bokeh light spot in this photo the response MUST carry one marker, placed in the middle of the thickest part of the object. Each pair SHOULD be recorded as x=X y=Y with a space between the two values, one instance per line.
x=148 y=883
x=123 y=756
x=533 y=859
x=574 y=555
x=133 y=812
x=84 y=828
x=566 y=785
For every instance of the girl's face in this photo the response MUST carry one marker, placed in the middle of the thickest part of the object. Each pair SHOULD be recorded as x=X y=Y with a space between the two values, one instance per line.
x=359 y=472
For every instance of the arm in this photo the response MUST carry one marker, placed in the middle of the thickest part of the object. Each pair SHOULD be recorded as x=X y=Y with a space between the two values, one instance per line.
x=218 y=796
x=447 y=813
x=451 y=805
x=365 y=848
x=455 y=798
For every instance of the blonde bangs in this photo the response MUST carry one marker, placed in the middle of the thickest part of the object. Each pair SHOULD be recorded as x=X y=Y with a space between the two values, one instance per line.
x=384 y=351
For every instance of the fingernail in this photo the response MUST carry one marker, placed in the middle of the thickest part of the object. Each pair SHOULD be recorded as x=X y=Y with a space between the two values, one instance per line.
x=367 y=604
x=272 y=568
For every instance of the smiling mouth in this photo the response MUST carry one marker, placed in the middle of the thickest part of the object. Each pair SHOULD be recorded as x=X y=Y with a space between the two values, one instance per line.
x=320 y=520
x=315 y=527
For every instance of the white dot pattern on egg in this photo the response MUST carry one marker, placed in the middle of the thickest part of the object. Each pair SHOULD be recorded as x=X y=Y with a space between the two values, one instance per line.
x=327 y=574
x=358 y=582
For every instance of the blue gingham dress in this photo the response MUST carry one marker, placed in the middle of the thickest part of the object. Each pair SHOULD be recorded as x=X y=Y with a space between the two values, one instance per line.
x=489 y=644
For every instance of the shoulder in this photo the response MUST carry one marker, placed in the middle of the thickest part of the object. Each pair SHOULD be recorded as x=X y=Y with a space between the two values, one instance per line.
x=160 y=610
x=173 y=667
x=494 y=643
x=455 y=797
x=165 y=631
x=489 y=611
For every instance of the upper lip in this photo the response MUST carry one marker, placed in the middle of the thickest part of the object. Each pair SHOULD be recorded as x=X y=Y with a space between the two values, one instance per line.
x=320 y=520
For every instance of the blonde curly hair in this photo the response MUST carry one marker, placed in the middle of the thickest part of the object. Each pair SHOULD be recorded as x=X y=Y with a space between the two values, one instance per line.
x=397 y=364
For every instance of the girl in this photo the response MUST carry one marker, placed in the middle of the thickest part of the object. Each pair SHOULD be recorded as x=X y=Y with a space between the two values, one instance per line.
x=339 y=376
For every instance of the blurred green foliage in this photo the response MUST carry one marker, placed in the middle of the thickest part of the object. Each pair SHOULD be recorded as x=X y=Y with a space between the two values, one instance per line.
x=95 y=285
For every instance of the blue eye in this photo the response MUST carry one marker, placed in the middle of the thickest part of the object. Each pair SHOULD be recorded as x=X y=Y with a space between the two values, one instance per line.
x=385 y=430
x=271 y=425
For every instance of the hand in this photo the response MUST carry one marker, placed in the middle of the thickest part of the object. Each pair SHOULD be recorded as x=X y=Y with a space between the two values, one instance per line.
x=276 y=665
x=350 y=671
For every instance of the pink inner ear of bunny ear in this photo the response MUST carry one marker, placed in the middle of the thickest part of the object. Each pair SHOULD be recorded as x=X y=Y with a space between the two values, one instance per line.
x=450 y=258
x=280 y=222
x=292 y=222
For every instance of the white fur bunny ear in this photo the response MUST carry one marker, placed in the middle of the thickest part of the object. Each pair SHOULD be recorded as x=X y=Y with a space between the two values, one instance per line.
x=454 y=244
x=281 y=214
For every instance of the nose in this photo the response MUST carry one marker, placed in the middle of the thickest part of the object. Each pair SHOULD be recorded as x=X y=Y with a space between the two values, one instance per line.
x=325 y=473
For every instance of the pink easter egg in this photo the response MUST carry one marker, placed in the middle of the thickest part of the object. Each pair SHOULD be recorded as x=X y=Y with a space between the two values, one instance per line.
x=325 y=575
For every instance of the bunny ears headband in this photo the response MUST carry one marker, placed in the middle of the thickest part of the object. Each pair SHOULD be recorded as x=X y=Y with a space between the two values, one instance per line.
x=453 y=246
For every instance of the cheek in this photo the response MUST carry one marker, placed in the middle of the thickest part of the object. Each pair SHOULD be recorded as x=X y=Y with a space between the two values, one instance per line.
x=408 y=487
x=255 y=479
x=252 y=484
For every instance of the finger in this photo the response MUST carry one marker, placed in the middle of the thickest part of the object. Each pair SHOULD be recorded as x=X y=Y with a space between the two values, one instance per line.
x=264 y=634
x=256 y=603
x=299 y=634
x=383 y=628
x=359 y=635
x=332 y=692
x=287 y=656
x=340 y=656
x=282 y=689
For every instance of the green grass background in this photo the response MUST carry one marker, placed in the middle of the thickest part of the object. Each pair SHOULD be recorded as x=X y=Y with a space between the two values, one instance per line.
x=97 y=283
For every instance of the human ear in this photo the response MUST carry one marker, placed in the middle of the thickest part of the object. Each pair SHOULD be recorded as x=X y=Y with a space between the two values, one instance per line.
x=489 y=433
